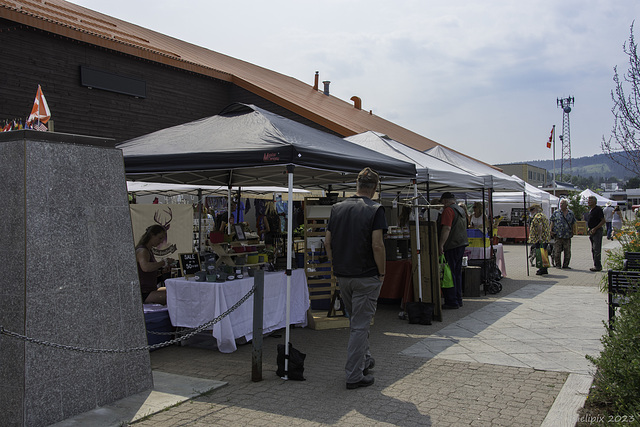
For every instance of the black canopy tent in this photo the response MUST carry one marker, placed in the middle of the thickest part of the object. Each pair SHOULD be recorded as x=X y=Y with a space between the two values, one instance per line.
x=245 y=145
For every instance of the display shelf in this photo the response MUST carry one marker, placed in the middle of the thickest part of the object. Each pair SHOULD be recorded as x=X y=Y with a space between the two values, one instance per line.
x=226 y=255
x=322 y=283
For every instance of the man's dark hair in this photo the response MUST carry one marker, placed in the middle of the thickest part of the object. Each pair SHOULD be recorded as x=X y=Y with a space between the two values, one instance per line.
x=367 y=179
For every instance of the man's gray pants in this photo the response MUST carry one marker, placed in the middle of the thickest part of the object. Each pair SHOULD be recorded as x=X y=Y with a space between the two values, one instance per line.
x=360 y=297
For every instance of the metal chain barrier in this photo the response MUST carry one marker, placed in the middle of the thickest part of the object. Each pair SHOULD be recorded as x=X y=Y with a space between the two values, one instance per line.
x=186 y=335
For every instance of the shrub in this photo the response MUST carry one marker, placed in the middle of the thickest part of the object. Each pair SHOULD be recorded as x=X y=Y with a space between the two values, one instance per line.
x=616 y=385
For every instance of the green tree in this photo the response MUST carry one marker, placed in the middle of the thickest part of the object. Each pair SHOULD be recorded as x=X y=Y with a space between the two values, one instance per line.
x=633 y=183
x=623 y=146
x=576 y=206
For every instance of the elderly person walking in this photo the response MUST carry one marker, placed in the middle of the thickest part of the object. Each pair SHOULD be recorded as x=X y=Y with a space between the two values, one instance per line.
x=562 y=222
x=539 y=232
x=595 y=232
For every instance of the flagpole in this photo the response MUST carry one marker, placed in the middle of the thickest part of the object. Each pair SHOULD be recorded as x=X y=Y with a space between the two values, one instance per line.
x=553 y=131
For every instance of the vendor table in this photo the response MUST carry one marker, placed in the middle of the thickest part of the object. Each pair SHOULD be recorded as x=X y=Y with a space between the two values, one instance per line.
x=192 y=304
x=397 y=281
x=517 y=233
x=477 y=253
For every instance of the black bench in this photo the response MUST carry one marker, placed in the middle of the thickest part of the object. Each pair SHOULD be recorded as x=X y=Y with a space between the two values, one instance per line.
x=620 y=284
x=631 y=261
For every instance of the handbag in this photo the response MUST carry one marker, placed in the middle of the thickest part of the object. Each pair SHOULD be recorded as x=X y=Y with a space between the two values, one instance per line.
x=420 y=313
x=542 y=258
x=296 y=363
x=446 y=278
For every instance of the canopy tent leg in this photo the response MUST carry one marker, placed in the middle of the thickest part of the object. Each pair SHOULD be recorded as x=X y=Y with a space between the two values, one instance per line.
x=416 y=214
x=199 y=249
x=288 y=272
x=526 y=231
x=229 y=210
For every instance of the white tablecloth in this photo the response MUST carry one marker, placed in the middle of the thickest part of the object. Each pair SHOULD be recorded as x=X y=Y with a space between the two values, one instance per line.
x=476 y=253
x=192 y=304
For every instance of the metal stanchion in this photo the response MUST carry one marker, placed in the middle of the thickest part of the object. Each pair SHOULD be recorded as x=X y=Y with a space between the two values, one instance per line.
x=258 y=314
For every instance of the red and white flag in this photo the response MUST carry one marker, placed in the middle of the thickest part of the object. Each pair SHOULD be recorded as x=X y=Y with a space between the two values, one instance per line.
x=550 y=138
x=40 y=111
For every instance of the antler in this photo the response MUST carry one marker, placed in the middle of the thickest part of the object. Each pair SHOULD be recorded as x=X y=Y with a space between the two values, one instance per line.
x=156 y=218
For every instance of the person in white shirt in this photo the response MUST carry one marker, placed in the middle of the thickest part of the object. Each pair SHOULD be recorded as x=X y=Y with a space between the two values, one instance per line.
x=478 y=219
x=616 y=221
x=608 y=217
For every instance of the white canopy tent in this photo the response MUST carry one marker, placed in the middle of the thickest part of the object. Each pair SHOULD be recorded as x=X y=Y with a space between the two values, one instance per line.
x=602 y=201
x=503 y=202
x=165 y=189
x=440 y=174
x=498 y=180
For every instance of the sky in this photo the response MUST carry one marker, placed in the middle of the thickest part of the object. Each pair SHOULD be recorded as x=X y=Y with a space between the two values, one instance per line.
x=480 y=77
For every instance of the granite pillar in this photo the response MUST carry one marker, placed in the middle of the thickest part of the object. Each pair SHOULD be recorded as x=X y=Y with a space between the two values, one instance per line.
x=69 y=277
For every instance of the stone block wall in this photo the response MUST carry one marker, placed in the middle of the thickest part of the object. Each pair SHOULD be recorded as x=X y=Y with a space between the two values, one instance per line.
x=70 y=277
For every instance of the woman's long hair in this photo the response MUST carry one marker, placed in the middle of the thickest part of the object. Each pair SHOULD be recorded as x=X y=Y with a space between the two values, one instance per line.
x=270 y=209
x=152 y=230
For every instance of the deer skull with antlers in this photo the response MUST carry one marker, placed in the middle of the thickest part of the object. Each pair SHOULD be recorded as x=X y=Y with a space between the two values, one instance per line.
x=160 y=216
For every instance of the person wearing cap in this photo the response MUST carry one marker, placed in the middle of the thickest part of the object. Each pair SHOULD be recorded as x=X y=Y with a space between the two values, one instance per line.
x=355 y=246
x=562 y=222
x=539 y=232
x=594 y=230
x=452 y=241
x=608 y=219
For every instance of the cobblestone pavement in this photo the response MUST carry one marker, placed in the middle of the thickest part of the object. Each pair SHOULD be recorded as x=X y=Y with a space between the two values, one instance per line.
x=463 y=383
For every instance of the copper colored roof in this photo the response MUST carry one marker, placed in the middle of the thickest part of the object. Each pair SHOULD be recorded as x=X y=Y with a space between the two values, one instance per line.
x=82 y=24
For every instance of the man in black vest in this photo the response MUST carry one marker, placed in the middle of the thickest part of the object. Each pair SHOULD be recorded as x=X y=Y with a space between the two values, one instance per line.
x=452 y=242
x=595 y=232
x=355 y=245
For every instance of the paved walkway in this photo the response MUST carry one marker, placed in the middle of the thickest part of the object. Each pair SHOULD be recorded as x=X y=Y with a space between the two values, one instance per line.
x=512 y=359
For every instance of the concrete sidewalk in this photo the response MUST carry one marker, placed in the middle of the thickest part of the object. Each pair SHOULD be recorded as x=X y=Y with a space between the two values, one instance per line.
x=512 y=359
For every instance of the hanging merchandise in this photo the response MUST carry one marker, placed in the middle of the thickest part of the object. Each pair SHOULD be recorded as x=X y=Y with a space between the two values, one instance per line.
x=281 y=206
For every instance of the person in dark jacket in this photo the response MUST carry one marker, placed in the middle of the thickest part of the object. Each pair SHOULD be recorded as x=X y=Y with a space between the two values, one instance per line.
x=595 y=232
x=355 y=245
x=452 y=242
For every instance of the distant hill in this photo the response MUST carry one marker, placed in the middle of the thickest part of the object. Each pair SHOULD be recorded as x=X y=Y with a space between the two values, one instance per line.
x=597 y=166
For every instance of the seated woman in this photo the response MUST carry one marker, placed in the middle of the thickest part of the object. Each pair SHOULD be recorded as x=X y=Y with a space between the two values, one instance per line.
x=148 y=268
x=478 y=219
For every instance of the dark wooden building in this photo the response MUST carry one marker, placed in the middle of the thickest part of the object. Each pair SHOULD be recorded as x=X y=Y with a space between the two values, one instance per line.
x=110 y=78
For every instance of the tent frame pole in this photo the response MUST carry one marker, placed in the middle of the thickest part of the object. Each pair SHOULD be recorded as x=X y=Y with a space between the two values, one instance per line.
x=416 y=215
x=290 y=169
x=526 y=231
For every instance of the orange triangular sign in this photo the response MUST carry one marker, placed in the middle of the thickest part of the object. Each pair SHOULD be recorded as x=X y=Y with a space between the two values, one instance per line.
x=40 y=111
